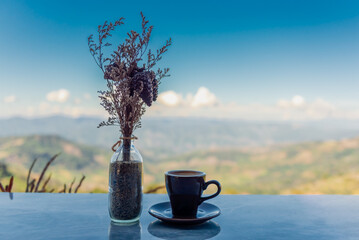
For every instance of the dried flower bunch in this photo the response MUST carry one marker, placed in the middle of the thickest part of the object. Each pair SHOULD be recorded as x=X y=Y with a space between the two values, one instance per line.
x=132 y=84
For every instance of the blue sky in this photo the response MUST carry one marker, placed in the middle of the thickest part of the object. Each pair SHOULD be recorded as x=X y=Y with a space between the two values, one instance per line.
x=285 y=58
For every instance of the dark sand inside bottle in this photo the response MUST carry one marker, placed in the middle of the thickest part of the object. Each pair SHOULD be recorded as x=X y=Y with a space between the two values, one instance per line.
x=126 y=195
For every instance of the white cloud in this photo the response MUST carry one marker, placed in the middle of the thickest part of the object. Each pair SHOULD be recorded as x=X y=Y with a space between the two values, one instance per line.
x=60 y=96
x=320 y=109
x=9 y=99
x=170 y=98
x=30 y=111
x=206 y=104
x=44 y=109
x=297 y=101
x=203 y=103
x=77 y=101
x=203 y=97
x=282 y=103
x=298 y=109
x=87 y=96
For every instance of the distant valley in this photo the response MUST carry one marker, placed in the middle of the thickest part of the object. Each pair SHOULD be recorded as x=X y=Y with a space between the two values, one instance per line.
x=319 y=167
x=169 y=136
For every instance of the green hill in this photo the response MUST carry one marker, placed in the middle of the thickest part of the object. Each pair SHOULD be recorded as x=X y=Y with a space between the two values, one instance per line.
x=18 y=153
x=330 y=167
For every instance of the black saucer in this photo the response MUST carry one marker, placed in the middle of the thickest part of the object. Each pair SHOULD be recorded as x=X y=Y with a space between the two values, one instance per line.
x=162 y=211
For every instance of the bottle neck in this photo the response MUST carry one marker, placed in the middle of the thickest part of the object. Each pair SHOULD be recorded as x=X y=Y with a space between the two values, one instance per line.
x=127 y=142
x=127 y=152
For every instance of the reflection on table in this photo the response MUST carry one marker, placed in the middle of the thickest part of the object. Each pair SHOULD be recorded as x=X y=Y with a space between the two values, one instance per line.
x=196 y=232
x=119 y=231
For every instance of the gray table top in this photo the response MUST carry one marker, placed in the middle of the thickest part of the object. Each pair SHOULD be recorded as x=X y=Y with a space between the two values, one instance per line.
x=85 y=216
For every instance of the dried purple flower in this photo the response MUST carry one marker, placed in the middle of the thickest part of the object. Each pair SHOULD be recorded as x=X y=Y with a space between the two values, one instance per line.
x=154 y=88
x=130 y=87
x=142 y=82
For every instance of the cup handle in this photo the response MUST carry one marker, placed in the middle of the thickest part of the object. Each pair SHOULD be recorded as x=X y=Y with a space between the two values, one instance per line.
x=213 y=195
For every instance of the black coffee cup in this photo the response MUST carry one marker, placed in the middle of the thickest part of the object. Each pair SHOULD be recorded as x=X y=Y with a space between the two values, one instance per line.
x=185 y=188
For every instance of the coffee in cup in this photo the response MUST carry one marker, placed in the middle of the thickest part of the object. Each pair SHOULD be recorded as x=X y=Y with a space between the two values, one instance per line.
x=185 y=188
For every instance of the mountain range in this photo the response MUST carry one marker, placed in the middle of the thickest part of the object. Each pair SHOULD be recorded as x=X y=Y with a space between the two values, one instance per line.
x=168 y=136
x=316 y=167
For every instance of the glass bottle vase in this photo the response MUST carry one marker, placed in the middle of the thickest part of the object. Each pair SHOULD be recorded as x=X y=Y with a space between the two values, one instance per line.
x=125 y=184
